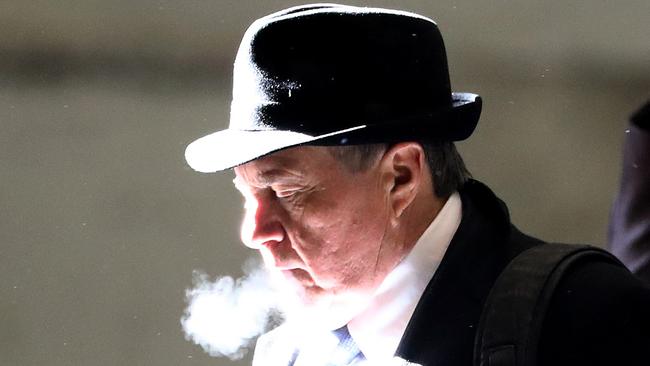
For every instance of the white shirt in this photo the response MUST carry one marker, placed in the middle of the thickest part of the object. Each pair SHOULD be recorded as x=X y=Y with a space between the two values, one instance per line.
x=379 y=328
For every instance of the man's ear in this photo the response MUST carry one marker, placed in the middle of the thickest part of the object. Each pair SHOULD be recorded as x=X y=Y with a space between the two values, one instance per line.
x=403 y=167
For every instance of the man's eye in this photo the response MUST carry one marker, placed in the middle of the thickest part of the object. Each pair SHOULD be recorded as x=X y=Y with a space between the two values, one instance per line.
x=284 y=193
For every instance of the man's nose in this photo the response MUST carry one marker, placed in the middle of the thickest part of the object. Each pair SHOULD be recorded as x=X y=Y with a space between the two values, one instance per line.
x=262 y=224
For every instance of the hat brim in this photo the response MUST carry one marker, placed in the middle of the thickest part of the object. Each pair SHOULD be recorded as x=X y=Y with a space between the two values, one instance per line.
x=228 y=148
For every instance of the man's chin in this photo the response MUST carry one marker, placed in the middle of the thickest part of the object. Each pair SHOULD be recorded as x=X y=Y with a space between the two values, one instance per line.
x=316 y=314
x=301 y=302
x=307 y=305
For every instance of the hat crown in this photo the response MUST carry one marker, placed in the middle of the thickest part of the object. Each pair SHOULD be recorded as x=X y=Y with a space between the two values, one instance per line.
x=327 y=74
x=321 y=68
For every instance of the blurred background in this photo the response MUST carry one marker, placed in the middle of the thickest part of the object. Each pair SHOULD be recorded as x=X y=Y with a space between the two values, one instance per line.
x=102 y=222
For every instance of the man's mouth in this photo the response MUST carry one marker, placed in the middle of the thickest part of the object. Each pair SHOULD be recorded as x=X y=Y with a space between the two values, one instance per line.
x=300 y=276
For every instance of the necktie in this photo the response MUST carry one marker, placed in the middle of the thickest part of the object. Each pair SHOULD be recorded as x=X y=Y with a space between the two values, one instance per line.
x=347 y=352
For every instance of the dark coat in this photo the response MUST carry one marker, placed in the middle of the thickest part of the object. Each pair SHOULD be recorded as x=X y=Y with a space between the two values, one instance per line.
x=629 y=229
x=599 y=315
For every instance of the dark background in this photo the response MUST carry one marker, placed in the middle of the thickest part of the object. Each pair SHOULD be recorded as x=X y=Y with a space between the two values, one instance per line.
x=102 y=222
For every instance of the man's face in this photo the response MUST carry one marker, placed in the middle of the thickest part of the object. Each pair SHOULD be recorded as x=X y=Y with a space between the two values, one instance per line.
x=318 y=225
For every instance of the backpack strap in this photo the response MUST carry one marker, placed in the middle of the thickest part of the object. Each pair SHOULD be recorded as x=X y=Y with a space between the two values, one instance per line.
x=511 y=322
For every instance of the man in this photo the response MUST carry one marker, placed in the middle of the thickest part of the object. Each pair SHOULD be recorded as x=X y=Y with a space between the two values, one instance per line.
x=629 y=229
x=341 y=138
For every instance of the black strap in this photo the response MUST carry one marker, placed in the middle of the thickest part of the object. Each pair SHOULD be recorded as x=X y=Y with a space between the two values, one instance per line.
x=510 y=326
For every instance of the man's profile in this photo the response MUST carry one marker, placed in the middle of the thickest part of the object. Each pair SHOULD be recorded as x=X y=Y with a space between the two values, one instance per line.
x=341 y=139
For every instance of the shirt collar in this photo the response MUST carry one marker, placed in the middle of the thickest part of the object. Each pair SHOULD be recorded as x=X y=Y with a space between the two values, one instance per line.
x=378 y=329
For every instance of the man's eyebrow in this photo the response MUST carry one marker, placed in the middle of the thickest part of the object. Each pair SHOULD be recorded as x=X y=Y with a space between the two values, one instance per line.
x=266 y=178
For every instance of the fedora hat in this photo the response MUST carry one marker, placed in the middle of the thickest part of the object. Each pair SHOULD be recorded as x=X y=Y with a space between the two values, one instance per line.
x=327 y=74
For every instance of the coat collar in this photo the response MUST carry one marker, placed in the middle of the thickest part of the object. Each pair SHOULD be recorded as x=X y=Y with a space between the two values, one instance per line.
x=441 y=330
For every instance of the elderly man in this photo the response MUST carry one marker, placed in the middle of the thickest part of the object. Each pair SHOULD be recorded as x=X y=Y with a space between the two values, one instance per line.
x=341 y=138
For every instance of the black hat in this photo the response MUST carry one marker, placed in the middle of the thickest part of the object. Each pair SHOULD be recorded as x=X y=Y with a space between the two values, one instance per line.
x=327 y=74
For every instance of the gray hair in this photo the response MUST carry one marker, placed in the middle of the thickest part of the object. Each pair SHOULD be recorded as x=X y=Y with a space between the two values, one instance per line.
x=448 y=171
